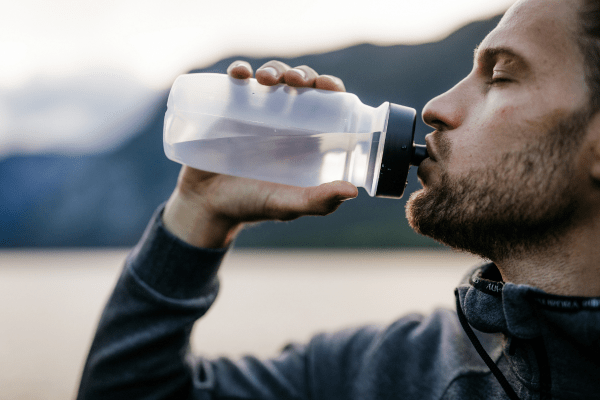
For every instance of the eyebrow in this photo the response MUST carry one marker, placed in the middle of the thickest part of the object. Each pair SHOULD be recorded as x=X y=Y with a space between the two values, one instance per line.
x=490 y=53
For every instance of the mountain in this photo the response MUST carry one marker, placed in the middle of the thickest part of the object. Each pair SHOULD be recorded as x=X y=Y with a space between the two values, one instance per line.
x=89 y=111
x=107 y=199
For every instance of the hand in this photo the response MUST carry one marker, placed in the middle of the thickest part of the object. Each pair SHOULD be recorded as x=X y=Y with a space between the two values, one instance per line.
x=208 y=209
x=275 y=72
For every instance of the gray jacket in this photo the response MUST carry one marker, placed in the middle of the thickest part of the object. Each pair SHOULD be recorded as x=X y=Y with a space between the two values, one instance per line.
x=544 y=346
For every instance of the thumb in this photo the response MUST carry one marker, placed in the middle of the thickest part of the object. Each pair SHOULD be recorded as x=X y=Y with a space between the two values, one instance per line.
x=290 y=202
x=326 y=198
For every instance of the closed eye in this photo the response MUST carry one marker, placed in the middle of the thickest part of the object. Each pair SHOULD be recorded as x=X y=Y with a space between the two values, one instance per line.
x=497 y=81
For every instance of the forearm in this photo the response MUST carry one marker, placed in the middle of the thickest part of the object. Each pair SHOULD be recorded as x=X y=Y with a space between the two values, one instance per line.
x=140 y=350
x=141 y=343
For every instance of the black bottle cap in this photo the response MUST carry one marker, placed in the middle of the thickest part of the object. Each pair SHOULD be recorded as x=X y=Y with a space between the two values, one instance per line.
x=419 y=154
x=398 y=151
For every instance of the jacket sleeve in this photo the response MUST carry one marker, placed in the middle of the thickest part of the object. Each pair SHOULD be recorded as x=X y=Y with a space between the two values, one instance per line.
x=141 y=346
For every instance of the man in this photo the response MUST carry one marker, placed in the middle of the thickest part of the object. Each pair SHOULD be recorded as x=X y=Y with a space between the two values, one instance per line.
x=513 y=176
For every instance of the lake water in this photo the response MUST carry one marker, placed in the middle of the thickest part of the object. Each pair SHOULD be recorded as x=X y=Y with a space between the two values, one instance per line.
x=50 y=302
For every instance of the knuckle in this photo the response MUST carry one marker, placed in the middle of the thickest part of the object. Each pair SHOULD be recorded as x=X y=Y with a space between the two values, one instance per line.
x=303 y=67
x=273 y=210
x=278 y=65
x=309 y=74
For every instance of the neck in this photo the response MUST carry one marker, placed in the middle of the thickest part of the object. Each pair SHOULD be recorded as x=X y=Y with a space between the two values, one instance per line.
x=570 y=266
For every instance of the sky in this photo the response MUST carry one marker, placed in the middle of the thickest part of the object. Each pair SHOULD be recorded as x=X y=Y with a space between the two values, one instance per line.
x=75 y=73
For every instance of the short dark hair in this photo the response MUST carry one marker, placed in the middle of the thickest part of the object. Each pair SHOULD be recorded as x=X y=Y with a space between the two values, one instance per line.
x=589 y=43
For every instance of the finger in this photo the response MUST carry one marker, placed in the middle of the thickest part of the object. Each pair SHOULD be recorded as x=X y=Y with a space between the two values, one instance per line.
x=328 y=82
x=318 y=200
x=240 y=69
x=326 y=198
x=271 y=73
x=302 y=76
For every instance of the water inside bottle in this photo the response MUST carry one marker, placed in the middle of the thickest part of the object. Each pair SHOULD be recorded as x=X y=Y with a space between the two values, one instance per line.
x=275 y=154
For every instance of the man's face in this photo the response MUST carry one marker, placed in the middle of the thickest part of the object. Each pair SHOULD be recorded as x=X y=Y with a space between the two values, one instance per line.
x=502 y=166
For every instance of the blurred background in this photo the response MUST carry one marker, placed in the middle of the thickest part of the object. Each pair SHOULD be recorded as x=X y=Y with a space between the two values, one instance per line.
x=83 y=89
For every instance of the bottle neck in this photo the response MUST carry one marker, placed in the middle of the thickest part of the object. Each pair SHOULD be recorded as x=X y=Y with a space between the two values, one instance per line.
x=366 y=158
x=367 y=119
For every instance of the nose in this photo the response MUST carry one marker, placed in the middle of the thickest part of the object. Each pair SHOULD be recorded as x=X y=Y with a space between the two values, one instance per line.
x=446 y=111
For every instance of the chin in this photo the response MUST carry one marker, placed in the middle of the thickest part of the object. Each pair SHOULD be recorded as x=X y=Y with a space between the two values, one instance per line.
x=413 y=205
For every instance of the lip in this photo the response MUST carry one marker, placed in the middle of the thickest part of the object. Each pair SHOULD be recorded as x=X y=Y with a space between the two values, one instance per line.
x=431 y=149
x=424 y=170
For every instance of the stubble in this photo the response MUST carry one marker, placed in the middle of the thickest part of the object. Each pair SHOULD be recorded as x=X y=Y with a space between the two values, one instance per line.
x=524 y=203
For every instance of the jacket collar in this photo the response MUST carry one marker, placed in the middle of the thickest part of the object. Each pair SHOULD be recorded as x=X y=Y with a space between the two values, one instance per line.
x=568 y=326
x=523 y=311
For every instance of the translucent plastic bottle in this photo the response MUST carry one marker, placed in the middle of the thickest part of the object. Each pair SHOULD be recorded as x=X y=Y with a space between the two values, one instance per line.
x=294 y=136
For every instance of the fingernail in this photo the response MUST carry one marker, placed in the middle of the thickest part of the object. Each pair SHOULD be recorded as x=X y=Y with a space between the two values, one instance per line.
x=271 y=71
x=300 y=72
x=344 y=198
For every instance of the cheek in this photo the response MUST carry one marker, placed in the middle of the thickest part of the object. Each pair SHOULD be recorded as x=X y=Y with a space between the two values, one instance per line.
x=484 y=138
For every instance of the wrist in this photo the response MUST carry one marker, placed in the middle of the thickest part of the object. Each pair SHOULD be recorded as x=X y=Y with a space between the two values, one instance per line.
x=194 y=223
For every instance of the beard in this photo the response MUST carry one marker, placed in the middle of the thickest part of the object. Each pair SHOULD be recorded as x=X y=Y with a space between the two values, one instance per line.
x=522 y=204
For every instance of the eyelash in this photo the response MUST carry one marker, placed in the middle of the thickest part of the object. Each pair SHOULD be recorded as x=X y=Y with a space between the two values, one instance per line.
x=496 y=81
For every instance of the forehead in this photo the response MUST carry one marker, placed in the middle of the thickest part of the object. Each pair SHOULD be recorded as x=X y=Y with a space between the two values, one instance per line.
x=544 y=32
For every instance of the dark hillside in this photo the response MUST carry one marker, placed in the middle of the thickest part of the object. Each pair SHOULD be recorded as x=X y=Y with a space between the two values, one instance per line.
x=106 y=200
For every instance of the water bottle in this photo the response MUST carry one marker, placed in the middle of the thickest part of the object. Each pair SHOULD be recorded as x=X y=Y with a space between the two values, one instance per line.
x=295 y=136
